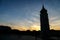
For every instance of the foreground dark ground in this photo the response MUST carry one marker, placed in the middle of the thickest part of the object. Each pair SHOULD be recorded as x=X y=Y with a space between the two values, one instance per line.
x=6 y=33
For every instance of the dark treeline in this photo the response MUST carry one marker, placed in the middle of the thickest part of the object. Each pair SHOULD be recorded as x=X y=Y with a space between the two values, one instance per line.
x=8 y=31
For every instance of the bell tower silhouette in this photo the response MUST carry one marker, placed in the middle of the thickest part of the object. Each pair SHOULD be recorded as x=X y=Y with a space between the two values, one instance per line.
x=44 y=20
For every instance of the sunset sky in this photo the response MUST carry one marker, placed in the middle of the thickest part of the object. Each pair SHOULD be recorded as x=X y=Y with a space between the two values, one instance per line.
x=24 y=14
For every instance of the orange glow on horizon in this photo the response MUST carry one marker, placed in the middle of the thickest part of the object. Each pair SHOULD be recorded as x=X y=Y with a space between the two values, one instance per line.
x=33 y=27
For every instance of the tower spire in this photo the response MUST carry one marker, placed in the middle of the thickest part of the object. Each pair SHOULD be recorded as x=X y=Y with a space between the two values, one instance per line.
x=43 y=10
x=43 y=6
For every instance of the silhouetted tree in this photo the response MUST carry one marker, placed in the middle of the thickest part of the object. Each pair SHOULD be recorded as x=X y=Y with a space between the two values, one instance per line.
x=4 y=29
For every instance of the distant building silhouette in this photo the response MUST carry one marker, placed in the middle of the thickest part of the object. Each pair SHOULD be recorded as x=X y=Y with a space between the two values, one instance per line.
x=44 y=20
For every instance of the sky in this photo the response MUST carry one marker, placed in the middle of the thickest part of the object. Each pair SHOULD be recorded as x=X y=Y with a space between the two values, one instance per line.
x=25 y=14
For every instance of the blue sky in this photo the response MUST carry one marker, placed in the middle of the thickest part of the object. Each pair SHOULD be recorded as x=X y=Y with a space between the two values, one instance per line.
x=25 y=13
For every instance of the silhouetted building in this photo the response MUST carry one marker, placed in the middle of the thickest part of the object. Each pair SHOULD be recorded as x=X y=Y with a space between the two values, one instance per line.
x=44 y=20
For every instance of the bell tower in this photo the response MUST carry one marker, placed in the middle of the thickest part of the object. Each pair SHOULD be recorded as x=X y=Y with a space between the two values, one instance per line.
x=44 y=20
